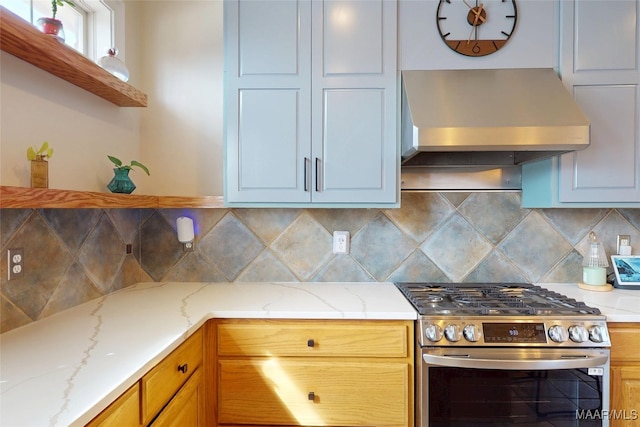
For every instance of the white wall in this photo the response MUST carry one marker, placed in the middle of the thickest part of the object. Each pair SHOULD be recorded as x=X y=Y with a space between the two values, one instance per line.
x=181 y=133
x=82 y=129
x=534 y=44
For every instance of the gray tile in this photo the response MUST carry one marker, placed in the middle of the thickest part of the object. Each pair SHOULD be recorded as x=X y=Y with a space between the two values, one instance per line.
x=266 y=268
x=126 y=221
x=75 y=288
x=304 y=247
x=267 y=224
x=72 y=225
x=380 y=247
x=420 y=214
x=193 y=267
x=158 y=246
x=12 y=317
x=456 y=197
x=230 y=246
x=45 y=262
x=351 y=220
x=418 y=268
x=102 y=254
x=456 y=248
x=10 y=221
x=574 y=224
x=632 y=215
x=607 y=231
x=568 y=270
x=342 y=268
x=131 y=272
x=496 y=268
x=535 y=246
x=494 y=214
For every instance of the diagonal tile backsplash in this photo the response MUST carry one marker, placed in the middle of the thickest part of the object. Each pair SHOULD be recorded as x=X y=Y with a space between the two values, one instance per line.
x=75 y=255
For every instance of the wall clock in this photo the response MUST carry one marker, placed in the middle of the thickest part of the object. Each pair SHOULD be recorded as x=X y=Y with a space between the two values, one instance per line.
x=476 y=27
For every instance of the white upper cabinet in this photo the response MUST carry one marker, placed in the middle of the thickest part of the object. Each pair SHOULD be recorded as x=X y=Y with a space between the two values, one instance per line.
x=311 y=103
x=600 y=53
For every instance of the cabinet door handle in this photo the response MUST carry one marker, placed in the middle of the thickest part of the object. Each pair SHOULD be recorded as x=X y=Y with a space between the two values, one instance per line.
x=318 y=186
x=311 y=343
x=183 y=368
x=307 y=176
x=311 y=396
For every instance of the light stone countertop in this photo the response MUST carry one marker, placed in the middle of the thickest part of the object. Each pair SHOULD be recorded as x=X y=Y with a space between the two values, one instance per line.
x=619 y=305
x=65 y=369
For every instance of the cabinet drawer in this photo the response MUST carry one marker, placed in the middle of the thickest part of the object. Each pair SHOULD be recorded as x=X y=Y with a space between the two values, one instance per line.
x=313 y=393
x=313 y=338
x=164 y=380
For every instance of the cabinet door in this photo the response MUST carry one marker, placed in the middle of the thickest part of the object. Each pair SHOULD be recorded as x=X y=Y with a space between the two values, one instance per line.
x=124 y=411
x=186 y=408
x=168 y=376
x=354 y=101
x=600 y=66
x=267 y=101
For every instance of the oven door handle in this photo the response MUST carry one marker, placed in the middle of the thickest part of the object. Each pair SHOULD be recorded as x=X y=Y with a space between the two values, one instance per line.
x=571 y=361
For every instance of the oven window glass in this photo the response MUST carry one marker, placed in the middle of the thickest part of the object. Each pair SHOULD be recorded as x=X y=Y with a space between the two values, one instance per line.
x=485 y=397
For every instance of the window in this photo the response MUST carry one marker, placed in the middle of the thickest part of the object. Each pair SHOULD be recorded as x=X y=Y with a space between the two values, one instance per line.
x=89 y=27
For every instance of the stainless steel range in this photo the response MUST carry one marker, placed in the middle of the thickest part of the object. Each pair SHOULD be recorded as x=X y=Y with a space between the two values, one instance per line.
x=508 y=354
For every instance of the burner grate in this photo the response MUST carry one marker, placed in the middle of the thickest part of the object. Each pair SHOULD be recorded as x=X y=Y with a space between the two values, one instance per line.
x=490 y=299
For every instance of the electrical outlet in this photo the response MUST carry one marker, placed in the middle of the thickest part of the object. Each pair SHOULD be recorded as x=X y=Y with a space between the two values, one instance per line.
x=623 y=240
x=340 y=242
x=15 y=263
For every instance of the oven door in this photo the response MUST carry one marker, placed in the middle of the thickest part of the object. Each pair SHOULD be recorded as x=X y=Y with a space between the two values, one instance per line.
x=512 y=386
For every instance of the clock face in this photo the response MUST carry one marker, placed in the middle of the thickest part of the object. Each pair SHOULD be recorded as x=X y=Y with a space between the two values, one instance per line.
x=476 y=27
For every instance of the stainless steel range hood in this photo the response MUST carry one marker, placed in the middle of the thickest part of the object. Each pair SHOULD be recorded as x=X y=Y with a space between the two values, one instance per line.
x=499 y=117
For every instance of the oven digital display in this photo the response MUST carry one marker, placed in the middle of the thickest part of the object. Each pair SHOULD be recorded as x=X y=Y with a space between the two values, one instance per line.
x=514 y=333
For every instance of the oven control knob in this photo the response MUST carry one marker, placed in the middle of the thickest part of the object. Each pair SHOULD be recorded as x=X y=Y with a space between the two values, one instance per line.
x=558 y=334
x=471 y=333
x=433 y=332
x=578 y=333
x=452 y=333
x=598 y=333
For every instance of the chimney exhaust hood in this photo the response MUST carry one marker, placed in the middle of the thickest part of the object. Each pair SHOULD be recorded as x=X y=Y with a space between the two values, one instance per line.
x=493 y=117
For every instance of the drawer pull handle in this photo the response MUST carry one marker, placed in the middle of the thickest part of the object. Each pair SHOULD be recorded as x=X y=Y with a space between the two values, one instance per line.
x=311 y=396
x=183 y=368
x=311 y=343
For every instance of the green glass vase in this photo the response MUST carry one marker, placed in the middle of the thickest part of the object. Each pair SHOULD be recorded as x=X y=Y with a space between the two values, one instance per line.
x=121 y=183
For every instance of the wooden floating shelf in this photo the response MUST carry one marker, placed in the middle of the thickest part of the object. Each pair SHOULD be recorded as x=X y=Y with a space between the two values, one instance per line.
x=34 y=198
x=23 y=40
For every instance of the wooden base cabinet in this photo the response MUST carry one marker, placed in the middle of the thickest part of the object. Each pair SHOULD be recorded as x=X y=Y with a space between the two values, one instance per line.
x=625 y=374
x=314 y=373
x=170 y=394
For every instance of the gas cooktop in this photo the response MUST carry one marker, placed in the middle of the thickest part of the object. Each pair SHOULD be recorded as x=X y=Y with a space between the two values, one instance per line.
x=486 y=299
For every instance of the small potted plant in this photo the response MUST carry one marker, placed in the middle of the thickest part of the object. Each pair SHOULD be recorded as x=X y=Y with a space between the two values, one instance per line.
x=121 y=183
x=40 y=165
x=53 y=26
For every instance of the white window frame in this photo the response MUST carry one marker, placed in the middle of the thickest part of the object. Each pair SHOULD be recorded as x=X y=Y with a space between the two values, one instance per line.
x=104 y=27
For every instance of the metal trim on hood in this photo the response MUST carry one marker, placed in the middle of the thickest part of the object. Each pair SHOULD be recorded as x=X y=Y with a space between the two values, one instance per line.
x=493 y=117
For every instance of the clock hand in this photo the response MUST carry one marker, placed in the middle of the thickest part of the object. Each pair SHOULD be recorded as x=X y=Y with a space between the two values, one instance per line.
x=473 y=27
x=476 y=13
x=475 y=24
